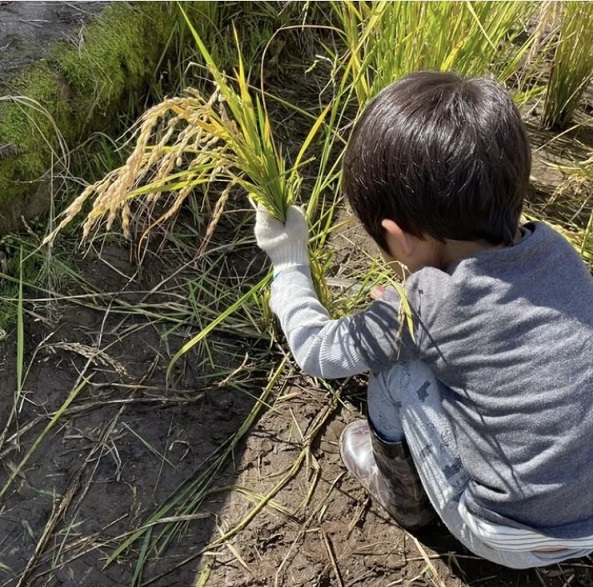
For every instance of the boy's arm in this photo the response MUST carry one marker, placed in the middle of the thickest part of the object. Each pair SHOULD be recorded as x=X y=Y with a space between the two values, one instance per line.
x=321 y=346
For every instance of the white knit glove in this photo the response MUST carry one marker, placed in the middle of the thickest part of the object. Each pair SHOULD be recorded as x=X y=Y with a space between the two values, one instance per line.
x=285 y=244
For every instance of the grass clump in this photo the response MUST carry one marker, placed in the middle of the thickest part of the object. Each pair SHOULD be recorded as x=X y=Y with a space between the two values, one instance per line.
x=32 y=140
x=387 y=40
x=572 y=65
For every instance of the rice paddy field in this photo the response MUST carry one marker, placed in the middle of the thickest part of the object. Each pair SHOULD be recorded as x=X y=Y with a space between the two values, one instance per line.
x=154 y=429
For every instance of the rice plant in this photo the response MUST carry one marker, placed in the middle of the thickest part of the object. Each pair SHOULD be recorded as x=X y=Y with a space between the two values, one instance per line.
x=387 y=40
x=572 y=64
x=194 y=141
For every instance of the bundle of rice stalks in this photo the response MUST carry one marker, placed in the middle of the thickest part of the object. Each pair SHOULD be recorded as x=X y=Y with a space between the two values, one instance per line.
x=181 y=144
x=194 y=141
x=223 y=140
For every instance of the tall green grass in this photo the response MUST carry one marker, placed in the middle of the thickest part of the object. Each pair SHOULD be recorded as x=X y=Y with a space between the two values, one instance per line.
x=572 y=64
x=386 y=40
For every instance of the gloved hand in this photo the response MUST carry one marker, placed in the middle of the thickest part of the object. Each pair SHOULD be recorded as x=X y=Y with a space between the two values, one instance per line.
x=285 y=244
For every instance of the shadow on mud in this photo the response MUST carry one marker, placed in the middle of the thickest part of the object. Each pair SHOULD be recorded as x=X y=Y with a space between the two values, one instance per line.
x=97 y=446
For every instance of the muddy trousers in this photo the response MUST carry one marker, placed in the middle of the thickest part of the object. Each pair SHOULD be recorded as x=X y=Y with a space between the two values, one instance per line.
x=405 y=401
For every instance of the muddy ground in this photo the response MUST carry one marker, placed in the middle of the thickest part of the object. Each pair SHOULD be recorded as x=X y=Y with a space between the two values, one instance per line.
x=29 y=29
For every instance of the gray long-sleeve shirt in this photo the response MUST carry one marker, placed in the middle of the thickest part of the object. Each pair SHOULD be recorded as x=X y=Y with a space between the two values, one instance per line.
x=510 y=333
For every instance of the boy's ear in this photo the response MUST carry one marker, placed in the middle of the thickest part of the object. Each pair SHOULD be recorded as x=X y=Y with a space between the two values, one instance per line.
x=404 y=242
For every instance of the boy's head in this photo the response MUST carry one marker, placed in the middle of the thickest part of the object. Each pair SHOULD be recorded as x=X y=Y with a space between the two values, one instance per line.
x=442 y=157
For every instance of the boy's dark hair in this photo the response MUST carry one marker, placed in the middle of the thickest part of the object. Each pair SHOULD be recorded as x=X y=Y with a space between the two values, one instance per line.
x=441 y=156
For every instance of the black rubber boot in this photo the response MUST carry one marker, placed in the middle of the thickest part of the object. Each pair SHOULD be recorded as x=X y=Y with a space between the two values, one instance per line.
x=387 y=472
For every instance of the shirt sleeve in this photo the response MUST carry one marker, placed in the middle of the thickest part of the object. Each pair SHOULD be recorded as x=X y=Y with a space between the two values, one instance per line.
x=368 y=341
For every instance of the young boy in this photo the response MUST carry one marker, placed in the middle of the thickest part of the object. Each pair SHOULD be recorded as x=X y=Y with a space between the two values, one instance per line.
x=488 y=404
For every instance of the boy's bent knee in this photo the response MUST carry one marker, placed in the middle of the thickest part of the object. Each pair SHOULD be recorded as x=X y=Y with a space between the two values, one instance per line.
x=403 y=378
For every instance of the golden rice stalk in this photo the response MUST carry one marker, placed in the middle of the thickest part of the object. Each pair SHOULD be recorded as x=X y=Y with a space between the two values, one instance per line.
x=181 y=143
x=191 y=141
